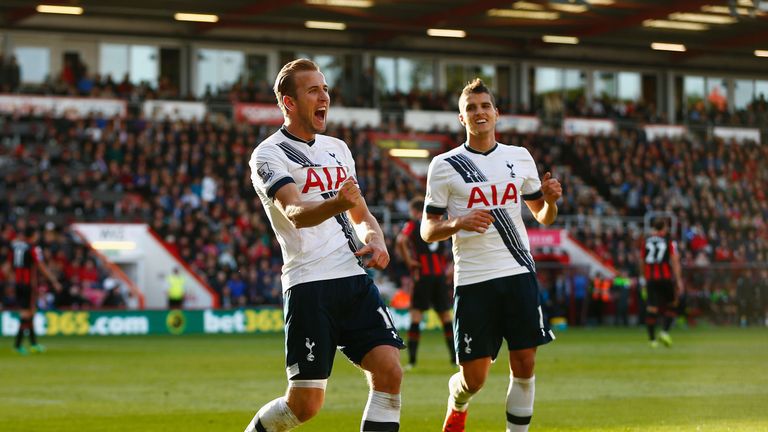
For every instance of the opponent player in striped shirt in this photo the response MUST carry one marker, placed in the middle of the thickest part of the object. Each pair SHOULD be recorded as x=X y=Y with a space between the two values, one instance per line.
x=664 y=281
x=481 y=186
x=28 y=263
x=429 y=269
x=306 y=183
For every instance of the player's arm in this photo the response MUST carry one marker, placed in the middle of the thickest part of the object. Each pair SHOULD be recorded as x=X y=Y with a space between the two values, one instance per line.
x=46 y=272
x=405 y=247
x=641 y=264
x=544 y=208
x=368 y=230
x=436 y=228
x=303 y=214
x=677 y=271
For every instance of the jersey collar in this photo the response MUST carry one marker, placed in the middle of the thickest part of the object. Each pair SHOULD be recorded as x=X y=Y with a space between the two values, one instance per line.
x=471 y=150
x=294 y=137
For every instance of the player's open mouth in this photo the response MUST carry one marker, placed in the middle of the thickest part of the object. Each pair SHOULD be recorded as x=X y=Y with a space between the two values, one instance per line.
x=320 y=114
x=481 y=121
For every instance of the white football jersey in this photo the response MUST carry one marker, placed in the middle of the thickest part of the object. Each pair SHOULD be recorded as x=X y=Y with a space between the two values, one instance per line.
x=318 y=168
x=462 y=180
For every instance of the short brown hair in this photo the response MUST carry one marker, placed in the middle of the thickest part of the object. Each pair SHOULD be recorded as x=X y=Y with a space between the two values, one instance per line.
x=417 y=204
x=285 y=84
x=476 y=86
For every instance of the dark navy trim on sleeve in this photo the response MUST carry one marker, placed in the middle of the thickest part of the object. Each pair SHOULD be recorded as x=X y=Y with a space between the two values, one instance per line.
x=435 y=210
x=533 y=196
x=278 y=184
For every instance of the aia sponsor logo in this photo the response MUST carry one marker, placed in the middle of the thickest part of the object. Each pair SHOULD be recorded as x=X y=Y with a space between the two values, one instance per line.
x=492 y=196
x=324 y=179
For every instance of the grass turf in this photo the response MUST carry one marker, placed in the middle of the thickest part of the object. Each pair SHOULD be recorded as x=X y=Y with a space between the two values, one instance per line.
x=713 y=379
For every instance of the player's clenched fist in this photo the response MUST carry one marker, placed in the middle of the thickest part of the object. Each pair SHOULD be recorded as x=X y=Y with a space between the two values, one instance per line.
x=477 y=221
x=349 y=194
x=550 y=188
x=379 y=257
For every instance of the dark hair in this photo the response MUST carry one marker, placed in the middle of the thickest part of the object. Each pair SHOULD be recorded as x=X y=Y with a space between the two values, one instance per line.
x=29 y=232
x=285 y=83
x=476 y=86
x=659 y=224
x=416 y=204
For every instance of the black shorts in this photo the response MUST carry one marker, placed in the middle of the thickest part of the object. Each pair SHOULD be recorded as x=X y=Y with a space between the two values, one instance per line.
x=504 y=308
x=661 y=292
x=321 y=315
x=24 y=296
x=431 y=292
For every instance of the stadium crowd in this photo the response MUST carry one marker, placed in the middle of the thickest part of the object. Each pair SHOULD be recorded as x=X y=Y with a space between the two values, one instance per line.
x=191 y=183
x=75 y=79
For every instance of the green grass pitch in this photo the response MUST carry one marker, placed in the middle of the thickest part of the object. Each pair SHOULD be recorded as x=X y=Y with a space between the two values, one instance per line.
x=713 y=379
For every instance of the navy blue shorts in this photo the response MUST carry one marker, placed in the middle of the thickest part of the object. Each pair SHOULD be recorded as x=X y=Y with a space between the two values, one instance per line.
x=504 y=308
x=321 y=315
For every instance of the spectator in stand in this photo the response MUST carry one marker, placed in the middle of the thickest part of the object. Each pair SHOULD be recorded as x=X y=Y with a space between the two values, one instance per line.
x=219 y=284
x=269 y=287
x=114 y=297
x=237 y=290
x=3 y=74
x=578 y=311
x=11 y=75
x=89 y=276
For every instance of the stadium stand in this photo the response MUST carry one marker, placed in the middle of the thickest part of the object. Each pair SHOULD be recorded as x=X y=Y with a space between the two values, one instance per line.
x=190 y=182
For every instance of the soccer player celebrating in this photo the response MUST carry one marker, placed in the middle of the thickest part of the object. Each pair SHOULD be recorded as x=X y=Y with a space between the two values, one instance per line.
x=27 y=259
x=481 y=185
x=426 y=261
x=306 y=183
x=664 y=281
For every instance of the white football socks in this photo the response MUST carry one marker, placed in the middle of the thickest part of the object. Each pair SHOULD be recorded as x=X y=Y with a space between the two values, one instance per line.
x=276 y=416
x=520 y=396
x=382 y=412
x=459 y=395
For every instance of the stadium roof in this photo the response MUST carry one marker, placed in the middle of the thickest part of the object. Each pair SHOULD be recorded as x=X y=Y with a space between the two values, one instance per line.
x=714 y=32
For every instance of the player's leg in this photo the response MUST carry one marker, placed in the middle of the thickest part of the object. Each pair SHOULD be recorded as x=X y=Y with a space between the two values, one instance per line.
x=652 y=312
x=477 y=342
x=31 y=333
x=420 y=302
x=310 y=348
x=651 y=317
x=442 y=295
x=382 y=410
x=24 y=297
x=524 y=330
x=414 y=335
x=370 y=340
x=521 y=390
x=445 y=319
x=670 y=306
x=301 y=403
x=463 y=385
x=23 y=325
